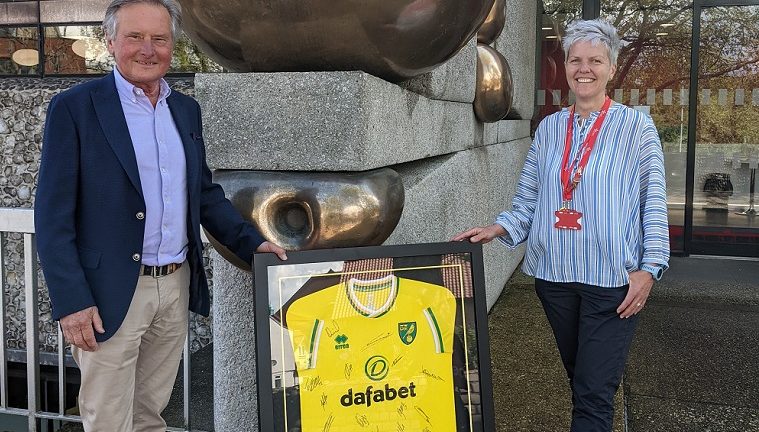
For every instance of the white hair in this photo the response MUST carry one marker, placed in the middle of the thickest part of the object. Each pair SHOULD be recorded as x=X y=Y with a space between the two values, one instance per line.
x=110 y=21
x=594 y=31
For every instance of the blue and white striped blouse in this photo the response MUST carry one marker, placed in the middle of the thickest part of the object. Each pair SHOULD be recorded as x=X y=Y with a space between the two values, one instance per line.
x=622 y=198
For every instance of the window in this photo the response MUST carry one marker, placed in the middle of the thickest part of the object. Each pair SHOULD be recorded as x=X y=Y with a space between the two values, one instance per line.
x=64 y=37
x=19 y=51
x=553 y=90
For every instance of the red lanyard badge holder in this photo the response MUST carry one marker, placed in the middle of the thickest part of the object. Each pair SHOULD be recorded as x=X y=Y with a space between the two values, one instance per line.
x=571 y=171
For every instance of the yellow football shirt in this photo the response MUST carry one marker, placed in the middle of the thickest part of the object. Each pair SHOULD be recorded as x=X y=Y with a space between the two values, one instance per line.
x=375 y=353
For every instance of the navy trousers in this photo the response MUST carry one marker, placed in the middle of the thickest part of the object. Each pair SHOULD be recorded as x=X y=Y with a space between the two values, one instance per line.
x=593 y=342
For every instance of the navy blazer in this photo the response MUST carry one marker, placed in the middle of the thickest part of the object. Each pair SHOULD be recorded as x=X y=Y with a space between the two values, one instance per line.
x=89 y=235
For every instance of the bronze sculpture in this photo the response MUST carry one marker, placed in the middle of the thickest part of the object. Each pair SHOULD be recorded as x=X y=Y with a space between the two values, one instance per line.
x=392 y=39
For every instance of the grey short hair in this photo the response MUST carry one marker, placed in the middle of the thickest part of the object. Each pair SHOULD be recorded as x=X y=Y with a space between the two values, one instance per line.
x=594 y=31
x=171 y=6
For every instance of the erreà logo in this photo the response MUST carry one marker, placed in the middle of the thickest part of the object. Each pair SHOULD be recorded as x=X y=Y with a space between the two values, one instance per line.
x=376 y=368
x=341 y=342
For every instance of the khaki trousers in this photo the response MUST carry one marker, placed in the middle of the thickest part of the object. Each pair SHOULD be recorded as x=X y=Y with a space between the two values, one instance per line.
x=127 y=382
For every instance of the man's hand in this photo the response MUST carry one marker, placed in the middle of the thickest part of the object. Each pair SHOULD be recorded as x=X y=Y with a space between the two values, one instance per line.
x=640 y=287
x=78 y=328
x=481 y=234
x=271 y=247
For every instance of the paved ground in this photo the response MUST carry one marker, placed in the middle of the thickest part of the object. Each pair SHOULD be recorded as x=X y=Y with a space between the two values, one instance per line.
x=694 y=365
x=529 y=382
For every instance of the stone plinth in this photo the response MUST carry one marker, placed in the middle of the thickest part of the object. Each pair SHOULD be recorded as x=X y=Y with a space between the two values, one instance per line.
x=234 y=348
x=455 y=80
x=324 y=121
x=448 y=194
x=456 y=172
x=505 y=131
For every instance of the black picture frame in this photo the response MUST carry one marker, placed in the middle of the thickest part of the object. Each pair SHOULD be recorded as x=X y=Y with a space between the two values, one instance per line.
x=287 y=292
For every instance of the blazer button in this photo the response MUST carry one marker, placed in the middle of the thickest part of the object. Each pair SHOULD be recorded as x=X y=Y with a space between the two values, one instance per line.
x=136 y=257
x=140 y=215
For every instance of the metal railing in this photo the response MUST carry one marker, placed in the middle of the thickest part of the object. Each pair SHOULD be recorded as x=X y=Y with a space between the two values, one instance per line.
x=21 y=221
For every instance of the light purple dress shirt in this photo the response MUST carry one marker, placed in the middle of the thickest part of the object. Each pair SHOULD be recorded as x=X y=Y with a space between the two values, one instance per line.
x=163 y=175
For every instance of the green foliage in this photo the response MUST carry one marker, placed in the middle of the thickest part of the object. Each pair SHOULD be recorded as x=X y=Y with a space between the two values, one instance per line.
x=656 y=55
x=189 y=58
x=671 y=134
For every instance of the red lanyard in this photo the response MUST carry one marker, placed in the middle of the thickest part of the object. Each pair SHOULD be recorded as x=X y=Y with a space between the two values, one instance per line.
x=568 y=181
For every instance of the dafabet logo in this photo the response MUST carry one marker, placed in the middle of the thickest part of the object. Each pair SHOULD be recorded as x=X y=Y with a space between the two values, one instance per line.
x=376 y=369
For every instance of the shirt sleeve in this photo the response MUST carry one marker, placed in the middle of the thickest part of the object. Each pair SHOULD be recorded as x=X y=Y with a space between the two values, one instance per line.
x=653 y=198
x=518 y=221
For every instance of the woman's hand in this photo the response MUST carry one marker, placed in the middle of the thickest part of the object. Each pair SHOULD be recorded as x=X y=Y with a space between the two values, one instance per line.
x=640 y=287
x=481 y=234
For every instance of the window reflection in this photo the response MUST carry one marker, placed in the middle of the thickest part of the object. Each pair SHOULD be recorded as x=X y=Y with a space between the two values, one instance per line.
x=189 y=58
x=653 y=75
x=81 y=49
x=76 y=48
x=553 y=90
x=727 y=136
x=19 y=53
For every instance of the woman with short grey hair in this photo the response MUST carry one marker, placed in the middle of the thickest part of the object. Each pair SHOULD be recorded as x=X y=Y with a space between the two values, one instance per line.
x=591 y=205
x=595 y=32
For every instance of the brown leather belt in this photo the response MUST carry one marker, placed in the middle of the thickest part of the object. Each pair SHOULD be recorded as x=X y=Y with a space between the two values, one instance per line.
x=158 y=271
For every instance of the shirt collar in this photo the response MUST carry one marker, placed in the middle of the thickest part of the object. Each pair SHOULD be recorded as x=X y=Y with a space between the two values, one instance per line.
x=566 y=110
x=130 y=91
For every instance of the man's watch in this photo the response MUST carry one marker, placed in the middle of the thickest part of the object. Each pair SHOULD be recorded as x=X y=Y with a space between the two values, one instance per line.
x=655 y=271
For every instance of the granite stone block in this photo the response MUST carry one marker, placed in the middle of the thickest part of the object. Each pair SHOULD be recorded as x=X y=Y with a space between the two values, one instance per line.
x=504 y=131
x=234 y=348
x=517 y=43
x=489 y=133
x=454 y=80
x=324 y=121
x=448 y=194
x=510 y=130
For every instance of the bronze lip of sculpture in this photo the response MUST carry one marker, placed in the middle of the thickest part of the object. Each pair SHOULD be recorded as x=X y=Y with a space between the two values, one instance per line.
x=495 y=88
x=493 y=25
x=392 y=39
x=307 y=210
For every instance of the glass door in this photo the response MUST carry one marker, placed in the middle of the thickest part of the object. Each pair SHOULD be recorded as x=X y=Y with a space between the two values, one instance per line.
x=653 y=76
x=725 y=151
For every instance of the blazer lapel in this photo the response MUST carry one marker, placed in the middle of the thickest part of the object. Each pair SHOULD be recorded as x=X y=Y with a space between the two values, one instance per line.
x=113 y=123
x=189 y=132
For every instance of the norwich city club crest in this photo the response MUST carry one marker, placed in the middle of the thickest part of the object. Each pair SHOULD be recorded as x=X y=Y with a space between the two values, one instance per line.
x=407 y=332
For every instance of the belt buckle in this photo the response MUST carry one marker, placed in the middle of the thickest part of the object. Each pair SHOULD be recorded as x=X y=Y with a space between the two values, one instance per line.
x=154 y=272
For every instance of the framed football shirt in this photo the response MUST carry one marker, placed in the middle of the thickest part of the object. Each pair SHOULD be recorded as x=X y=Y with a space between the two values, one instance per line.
x=382 y=339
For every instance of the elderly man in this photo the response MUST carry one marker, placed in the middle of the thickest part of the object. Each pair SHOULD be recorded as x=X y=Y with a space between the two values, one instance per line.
x=123 y=189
